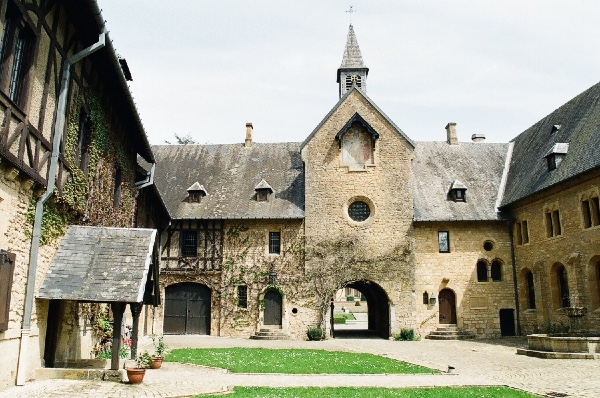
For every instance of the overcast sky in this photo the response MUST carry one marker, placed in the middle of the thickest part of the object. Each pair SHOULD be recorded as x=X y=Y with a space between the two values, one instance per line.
x=205 y=68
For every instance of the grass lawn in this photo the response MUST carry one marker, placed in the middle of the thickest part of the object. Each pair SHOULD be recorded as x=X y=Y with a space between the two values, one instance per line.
x=351 y=392
x=293 y=361
x=341 y=318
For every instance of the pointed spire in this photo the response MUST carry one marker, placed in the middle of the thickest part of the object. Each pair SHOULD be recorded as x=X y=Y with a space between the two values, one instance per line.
x=352 y=72
x=352 y=56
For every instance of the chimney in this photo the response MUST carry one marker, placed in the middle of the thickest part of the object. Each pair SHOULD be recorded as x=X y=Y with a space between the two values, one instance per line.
x=451 y=134
x=478 y=137
x=249 y=129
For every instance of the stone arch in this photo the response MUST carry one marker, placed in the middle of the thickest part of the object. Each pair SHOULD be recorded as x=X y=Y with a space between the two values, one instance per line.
x=496 y=270
x=378 y=304
x=559 y=285
x=482 y=270
x=594 y=282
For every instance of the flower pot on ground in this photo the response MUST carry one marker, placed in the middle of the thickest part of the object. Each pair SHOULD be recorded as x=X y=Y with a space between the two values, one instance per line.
x=136 y=375
x=156 y=362
x=160 y=350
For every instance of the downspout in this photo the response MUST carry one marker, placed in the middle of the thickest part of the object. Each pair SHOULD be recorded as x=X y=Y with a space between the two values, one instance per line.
x=59 y=126
x=514 y=270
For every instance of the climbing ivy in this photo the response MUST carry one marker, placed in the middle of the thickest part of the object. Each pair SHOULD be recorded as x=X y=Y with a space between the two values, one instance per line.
x=88 y=198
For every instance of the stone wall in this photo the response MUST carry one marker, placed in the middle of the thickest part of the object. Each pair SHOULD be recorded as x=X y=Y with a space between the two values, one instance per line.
x=477 y=303
x=246 y=261
x=379 y=249
x=576 y=248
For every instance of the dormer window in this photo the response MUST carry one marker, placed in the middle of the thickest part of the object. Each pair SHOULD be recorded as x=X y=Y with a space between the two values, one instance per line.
x=556 y=154
x=458 y=191
x=263 y=191
x=196 y=192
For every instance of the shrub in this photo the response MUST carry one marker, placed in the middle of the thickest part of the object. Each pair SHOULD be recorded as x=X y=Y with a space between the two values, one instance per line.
x=315 y=334
x=357 y=304
x=349 y=298
x=363 y=298
x=406 y=335
x=338 y=320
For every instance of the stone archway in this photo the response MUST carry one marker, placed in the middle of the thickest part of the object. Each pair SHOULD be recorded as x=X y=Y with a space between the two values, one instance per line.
x=447 y=307
x=377 y=301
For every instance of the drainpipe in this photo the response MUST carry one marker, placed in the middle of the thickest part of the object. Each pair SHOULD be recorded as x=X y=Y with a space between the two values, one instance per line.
x=59 y=125
x=514 y=270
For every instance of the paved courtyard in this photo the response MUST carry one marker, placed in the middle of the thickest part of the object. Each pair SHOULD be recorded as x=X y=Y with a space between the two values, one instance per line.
x=476 y=362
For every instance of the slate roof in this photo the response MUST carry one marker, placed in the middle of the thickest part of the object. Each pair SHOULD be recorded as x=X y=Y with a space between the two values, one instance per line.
x=100 y=264
x=352 y=56
x=230 y=173
x=479 y=168
x=579 y=121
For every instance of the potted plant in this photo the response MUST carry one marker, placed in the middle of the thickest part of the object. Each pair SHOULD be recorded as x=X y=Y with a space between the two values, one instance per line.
x=160 y=349
x=136 y=375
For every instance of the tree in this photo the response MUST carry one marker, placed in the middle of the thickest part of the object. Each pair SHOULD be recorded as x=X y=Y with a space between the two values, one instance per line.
x=182 y=139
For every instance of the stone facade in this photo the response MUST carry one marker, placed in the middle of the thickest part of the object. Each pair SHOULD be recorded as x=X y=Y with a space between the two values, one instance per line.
x=575 y=248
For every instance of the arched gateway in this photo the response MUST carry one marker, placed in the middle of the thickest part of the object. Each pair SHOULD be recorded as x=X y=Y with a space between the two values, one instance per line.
x=377 y=300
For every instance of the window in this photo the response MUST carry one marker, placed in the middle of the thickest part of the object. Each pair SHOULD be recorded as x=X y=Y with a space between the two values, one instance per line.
x=15 y=55
x=496 y=271
x=444 y=241
x=352 y=80
x=242 y=295
x=189 y=243
x=274 y=242
x=194 y=197
x=458 y=191
x=525 y=232
x=519 y=233
x=482 y=271
x=488 y=245
x=117 y=190
x=83 y=141
x=262 y=195
x=553 y=227
x=7 y=268
x=359 y=211
x=530 y=290
x=590 y=210
x=563 y=286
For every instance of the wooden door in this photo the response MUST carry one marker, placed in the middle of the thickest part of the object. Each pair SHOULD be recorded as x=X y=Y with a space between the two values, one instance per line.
x=447 y=300
x=273 y=308
x=187 y=309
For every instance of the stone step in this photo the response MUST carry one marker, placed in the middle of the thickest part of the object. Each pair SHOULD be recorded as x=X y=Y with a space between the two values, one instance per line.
x=259 y=337
x=269 y=333
x=433 y=336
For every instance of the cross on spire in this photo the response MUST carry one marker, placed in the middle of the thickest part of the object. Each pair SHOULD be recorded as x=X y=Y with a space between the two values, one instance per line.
x=350 y=11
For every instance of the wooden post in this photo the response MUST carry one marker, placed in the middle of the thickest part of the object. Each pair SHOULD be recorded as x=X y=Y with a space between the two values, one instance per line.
x=117 y=310
x=136 y=308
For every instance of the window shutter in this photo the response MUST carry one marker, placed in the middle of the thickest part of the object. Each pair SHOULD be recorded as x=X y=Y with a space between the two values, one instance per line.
x=7 y=267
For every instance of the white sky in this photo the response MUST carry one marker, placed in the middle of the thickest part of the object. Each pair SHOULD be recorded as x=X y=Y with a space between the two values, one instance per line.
x=205 y=68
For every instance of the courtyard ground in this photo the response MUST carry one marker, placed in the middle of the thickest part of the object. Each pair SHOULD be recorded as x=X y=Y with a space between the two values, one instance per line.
x=489 y=362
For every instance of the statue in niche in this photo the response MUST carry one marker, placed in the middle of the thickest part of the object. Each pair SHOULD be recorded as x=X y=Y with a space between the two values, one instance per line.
x=357 y=148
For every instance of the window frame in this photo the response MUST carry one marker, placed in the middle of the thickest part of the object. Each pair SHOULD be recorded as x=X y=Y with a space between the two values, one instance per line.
x=7 y=270
x=183 y=245
x=481 y=268
x=17 y=53
x=530 y=287
x=444 y=236
x=242 y=296
x=496 y=271
x=274 y=242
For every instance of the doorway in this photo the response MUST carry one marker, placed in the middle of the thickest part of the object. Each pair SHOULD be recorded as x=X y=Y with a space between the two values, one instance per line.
x=273 y=308
x=187 y=309
x=447 y=300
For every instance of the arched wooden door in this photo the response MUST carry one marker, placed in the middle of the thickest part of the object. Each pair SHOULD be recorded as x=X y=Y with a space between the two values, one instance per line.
x=187 y=309
x=273 y=308
x=447 y=300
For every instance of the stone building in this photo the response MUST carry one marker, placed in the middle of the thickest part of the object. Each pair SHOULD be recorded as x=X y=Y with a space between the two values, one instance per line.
x=493 y=238
x=70 y=138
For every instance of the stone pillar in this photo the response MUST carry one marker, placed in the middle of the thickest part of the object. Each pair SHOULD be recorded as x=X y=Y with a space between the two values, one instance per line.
x=136 y=309
x=117 y=310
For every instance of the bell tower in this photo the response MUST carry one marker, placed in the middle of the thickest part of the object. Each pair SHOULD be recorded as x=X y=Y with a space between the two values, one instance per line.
x=352 y=71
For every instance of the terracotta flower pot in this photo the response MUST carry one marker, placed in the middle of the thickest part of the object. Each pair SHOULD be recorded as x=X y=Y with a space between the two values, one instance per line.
x=135 y=375
x=156 y=362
